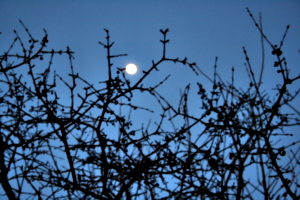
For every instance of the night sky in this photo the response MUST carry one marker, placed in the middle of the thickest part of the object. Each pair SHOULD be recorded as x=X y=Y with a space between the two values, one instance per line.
x=199 y=30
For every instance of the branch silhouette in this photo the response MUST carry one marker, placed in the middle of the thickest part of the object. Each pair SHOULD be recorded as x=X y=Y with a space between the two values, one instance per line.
x=51 y=148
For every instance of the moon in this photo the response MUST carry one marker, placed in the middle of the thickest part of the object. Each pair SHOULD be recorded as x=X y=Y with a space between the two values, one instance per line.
x=131 y=69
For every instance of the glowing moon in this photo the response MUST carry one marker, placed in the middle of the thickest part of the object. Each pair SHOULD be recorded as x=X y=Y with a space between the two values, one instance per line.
x=131 y=69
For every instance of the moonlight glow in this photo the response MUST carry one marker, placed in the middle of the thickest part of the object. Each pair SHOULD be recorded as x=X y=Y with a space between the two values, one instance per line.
x=131 y=69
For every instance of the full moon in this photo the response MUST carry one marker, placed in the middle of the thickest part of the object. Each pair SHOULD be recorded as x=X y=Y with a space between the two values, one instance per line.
x=131 y=69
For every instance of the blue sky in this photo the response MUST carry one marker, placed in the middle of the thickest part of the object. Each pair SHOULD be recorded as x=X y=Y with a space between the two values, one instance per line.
x=199 y=30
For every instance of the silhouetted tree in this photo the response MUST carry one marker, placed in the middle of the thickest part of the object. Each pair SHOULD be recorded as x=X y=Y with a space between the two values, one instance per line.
x=57 y=149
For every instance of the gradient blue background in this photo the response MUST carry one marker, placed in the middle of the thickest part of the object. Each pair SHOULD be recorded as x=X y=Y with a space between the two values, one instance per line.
x=200 y=30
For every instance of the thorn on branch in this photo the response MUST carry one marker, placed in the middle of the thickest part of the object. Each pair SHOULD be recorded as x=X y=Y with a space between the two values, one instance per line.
x=164 y=31
x=102 y=44
x=164 y=41
x=192 y=64
x=119 y=55
x=45 y=40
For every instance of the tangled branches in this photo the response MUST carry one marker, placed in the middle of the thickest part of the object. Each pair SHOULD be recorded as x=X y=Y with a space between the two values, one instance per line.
x=84 y=149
